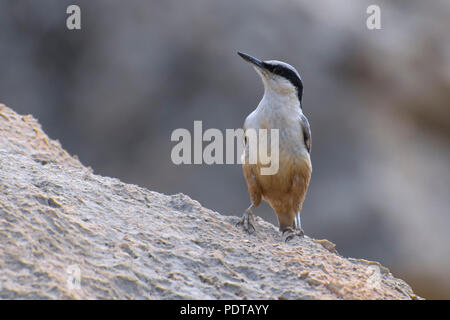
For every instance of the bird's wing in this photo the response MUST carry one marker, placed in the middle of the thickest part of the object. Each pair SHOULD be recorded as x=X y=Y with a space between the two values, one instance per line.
x=306 y=132
x=244 y=127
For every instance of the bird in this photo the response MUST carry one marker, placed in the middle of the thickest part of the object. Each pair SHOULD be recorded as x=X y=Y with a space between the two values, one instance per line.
x=280 y=108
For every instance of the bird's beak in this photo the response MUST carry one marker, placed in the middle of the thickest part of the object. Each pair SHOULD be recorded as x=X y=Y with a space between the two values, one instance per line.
x=256 y=62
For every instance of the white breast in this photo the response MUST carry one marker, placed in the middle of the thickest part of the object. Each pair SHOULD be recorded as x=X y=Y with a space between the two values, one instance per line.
x=282 y=113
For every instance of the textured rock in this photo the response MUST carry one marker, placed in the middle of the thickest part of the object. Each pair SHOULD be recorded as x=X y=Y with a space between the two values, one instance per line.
x=127 y=242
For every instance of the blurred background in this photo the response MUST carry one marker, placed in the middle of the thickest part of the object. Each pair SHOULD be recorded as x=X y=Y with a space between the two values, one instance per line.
x=378 y=102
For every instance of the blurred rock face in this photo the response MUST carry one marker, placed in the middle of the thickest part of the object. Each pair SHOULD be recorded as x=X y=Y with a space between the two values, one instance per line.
x=377 y=101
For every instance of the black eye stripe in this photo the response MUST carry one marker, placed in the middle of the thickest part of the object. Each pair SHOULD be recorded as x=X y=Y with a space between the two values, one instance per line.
x=288 y=74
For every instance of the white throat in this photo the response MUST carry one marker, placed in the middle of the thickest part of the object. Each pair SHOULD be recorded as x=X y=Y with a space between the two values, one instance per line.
x=275 y=100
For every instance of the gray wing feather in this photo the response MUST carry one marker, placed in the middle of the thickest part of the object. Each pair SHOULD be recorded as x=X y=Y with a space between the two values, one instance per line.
x=306 y=132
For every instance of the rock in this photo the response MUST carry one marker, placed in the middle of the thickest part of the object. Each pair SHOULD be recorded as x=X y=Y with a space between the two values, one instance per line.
x=66 y=233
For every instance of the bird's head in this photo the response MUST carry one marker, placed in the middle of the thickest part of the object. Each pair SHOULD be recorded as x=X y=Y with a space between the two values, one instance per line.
x=278 y=76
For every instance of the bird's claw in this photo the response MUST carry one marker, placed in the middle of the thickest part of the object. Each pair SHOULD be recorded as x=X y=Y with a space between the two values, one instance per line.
x=290 y=233
x=247 y=222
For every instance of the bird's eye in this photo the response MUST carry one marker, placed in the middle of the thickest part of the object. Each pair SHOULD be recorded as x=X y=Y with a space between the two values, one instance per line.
x=270 y=67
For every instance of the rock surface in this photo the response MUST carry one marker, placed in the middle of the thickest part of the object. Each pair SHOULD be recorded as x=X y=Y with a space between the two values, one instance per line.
x=59 y=222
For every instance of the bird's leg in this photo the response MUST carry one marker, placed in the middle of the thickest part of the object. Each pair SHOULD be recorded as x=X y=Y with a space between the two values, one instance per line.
x=298 y=225
x=248 y=220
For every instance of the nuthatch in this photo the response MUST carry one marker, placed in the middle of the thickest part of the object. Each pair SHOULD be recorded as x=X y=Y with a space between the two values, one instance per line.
x=280 y=108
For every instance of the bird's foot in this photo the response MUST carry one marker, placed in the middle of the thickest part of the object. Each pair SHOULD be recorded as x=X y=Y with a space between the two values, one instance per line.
x=248 y=221
x=300 y=232
x=290 y=233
